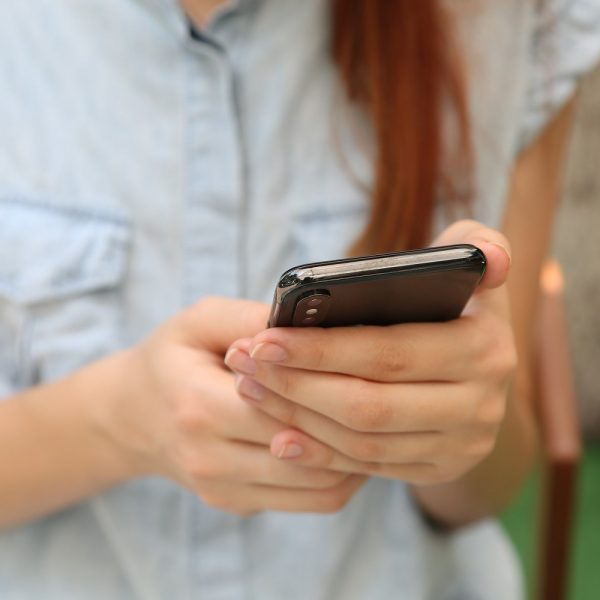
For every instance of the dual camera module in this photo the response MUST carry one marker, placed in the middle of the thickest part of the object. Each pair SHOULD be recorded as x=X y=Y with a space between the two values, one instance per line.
x=312 y=309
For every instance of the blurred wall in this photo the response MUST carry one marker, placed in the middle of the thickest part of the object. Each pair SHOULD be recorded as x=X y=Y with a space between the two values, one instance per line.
x=577 y=246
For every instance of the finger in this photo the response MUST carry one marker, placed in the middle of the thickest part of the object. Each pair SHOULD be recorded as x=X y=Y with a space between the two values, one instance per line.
x=358 y=404
x=255 y=464
x=491 y=242
x=214 y=405
x=329 y=500
x=318 y=455
x=393 y=448
x=406 y=352
x=215 y=322
x=320 y=442
x=490 y=296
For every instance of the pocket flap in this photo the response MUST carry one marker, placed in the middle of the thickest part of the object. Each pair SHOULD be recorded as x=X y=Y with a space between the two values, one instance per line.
x=49 y=252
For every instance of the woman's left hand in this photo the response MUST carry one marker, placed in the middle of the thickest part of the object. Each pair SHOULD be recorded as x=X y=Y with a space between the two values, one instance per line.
x=418 y=402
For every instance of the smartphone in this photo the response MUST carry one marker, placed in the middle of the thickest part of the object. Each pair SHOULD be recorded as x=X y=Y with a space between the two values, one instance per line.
x=428 y=285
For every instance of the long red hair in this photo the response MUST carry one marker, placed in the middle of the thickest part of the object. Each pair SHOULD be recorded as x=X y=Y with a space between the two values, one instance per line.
x=399 y=61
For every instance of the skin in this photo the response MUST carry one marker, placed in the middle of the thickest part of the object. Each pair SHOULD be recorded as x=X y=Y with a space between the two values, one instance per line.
x=405 y=402
x=200 y=11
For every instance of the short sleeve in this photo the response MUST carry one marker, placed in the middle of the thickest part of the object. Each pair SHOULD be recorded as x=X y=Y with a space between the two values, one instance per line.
x=565 y=45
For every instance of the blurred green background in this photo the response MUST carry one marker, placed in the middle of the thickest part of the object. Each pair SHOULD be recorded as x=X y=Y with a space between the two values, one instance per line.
x=521 y=520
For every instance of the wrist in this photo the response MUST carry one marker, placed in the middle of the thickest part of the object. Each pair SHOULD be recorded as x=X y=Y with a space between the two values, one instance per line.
x=108 y=397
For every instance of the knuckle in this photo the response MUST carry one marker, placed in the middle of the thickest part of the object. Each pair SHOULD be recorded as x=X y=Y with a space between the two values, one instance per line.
x=365 y=450
x=375 y=468
x=286 y=412
x=318 y=354
x=323 y=457
x=285 y=383
x=497 y=348
x=389 y=360
x=434 y=447
x=365 y=412
x=189 y=417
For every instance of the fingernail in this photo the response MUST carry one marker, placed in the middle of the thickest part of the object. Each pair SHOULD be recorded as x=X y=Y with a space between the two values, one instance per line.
x=290 y=451
x=239 y=361
x=269 y=352
x=250 y=388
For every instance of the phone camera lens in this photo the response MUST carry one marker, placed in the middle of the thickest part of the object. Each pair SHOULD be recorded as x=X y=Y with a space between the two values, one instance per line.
x=312 y=308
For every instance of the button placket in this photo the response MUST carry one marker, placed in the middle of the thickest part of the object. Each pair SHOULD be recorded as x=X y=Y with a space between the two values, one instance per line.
x=214 y=162
x=214 y=205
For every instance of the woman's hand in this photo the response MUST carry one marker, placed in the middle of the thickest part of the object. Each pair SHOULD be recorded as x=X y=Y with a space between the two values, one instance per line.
x=179 y=416
x=418 y=402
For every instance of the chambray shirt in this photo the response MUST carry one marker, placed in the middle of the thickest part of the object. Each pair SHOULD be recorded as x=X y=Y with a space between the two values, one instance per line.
x=141 y=169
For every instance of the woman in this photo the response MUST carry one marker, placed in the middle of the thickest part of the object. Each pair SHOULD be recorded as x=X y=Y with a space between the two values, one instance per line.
x=157 y=154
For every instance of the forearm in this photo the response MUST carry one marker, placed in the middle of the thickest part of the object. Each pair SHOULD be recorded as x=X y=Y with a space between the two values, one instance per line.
x=490 y=486
x=52 y=454
x=531 y=206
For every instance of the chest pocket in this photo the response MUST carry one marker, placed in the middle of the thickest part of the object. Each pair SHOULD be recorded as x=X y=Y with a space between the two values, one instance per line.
x=61 y=276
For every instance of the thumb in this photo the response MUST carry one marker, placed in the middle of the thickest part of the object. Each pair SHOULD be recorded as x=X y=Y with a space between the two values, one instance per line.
x=215 y=322
x=491 y=242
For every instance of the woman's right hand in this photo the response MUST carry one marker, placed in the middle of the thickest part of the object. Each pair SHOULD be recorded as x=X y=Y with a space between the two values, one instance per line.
x=179 y=416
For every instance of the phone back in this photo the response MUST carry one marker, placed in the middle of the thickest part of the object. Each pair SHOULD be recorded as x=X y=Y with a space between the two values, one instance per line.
x=424 y=292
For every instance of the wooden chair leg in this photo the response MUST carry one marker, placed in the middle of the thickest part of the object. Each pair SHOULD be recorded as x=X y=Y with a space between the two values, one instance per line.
x=561 y=438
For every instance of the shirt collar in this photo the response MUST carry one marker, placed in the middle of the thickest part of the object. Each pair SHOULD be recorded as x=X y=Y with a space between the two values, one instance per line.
x=178 y=21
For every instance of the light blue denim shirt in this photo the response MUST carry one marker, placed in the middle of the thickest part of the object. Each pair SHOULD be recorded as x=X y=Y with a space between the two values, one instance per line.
x=141 y=169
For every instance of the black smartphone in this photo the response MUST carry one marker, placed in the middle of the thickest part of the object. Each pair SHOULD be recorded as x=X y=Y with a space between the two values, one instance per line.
x=428 y=285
